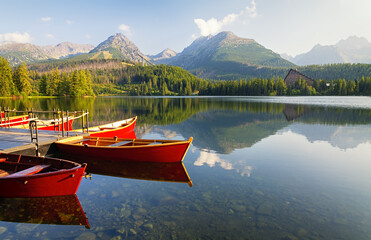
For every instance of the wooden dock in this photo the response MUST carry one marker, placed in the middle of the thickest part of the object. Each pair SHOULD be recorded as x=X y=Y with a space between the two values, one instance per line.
x=18 y=141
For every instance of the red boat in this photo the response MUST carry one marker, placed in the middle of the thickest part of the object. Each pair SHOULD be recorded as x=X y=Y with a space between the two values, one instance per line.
x=124 y=149
x=120 y=129
x=13 y=121
x=28 y=176
x=60 y=210
x=55 y=125
x=50 y=125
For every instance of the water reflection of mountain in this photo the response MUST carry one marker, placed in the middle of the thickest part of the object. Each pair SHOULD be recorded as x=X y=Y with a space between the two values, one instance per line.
x=338 y=136
x=225 y=131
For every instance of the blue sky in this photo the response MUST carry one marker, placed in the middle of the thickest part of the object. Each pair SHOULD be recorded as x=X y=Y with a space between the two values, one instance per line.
x=285 y=26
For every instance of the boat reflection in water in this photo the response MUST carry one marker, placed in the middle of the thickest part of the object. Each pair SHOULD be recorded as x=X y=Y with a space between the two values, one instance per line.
x=167 y=172
x=60 y=210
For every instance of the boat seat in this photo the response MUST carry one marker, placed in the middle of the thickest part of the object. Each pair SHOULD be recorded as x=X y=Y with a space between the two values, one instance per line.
x=30 y=171
x=106 y=128
x=117 y=144
x=155 y=143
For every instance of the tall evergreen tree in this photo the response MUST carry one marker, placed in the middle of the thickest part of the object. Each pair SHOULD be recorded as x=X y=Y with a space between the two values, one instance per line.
x=53 y=83
x=43 y=84
x=6 y=80
x=21 y=79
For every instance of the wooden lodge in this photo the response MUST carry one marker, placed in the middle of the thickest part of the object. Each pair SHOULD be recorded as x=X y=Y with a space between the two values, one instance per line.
x=293 y=76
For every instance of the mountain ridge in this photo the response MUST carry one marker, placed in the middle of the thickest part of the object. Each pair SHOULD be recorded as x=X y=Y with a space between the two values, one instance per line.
x=66 y=49
x=351 y=50
x=121 y=47
x=205 y=55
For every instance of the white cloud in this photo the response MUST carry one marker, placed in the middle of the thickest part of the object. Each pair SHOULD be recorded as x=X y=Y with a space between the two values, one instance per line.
x=69 y=21
x=49 y=35
x=15 y=37
x=88 y=36
x=251 y=11
x=213 y=26
x=212 y=159
x=46 y=19
x=208 y=27
x=124 y=28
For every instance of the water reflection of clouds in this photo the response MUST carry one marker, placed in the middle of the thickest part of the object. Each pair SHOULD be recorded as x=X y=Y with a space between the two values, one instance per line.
x=344 y=137
x=212 y=159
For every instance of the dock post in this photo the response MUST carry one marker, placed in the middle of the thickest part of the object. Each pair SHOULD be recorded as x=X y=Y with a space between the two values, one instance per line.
x=82 y=121
x=62 y=124
x=87 y=121
x=67 y=123
x=33 y=127
x=8 y=113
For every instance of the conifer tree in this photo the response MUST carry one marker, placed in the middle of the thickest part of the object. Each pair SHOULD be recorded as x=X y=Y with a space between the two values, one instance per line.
x=53 y=83
x=43 y=84
x=6 y=80
x=22 y=79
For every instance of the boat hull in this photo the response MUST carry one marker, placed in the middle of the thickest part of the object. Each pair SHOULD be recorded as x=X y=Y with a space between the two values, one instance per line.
x=57 y=126
x=115 y=129
x=163 y=153
x=15 y=121
x=47 y=125
x=57 y=183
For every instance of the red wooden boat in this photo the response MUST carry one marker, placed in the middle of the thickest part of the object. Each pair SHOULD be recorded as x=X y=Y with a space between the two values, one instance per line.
x=124 y=149
x=55 y=125
x=29 y=176
x=50 y=125
x=120 y=129
x=13 y=121
x=60 y=210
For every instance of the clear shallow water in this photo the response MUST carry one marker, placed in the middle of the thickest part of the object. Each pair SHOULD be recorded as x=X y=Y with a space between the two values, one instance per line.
x=261 y=169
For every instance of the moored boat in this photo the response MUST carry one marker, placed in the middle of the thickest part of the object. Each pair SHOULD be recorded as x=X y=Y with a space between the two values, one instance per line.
x=29 y=176
x=120 y=129
x=14 y=121
x=124 y=149
x=50 y=125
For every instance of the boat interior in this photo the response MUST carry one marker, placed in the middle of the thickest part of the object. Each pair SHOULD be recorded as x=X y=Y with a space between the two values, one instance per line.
x=19 y=166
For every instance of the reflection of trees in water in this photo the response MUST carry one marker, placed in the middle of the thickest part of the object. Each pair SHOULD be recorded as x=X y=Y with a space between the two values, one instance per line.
x=221 y=123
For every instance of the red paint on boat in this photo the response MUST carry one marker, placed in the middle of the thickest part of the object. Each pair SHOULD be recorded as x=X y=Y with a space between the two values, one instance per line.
x=14 y=121
x=63 y=180
x=120 y=129
x=171 y=151
x=56 y=127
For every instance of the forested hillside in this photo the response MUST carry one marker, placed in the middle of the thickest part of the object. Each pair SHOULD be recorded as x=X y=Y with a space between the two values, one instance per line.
x=113 y=77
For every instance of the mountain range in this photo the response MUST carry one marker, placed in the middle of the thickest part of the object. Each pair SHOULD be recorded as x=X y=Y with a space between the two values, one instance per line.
x=222 y=56
x=352 y=50
x=17 y=53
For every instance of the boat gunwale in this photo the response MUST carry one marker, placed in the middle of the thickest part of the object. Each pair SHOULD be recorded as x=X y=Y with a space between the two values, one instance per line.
x=98 y=130
x=58 y=171
x=45 y=174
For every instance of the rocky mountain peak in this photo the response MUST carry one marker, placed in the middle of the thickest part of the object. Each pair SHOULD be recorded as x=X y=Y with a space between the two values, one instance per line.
x=119 y=46
x=165 y=54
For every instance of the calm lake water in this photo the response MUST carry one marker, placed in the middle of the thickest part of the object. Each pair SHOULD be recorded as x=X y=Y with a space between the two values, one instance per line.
x=262 y=168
